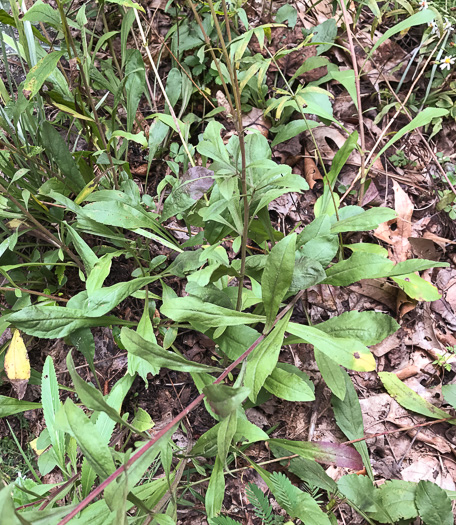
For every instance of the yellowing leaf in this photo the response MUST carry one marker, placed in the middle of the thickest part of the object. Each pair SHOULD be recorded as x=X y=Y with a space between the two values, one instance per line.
x=33 y=446
x=17 y=364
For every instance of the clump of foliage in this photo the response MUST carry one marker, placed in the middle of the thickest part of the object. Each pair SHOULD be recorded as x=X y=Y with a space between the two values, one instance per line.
x=71 y=210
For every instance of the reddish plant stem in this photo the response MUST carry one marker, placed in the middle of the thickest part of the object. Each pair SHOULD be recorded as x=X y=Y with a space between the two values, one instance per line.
x=174 y=422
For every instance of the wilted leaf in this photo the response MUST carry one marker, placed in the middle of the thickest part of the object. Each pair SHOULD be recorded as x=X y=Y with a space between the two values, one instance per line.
x=17 y=364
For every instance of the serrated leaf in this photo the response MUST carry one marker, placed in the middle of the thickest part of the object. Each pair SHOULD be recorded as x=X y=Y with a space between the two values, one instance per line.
x=277 y=276
x=433 y=504
x=395 y=500
x=409 y=399
x=359 y=490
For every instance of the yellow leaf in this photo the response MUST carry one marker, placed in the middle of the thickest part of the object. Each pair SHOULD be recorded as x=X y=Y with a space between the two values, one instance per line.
x=35 y=449
x=17 y=364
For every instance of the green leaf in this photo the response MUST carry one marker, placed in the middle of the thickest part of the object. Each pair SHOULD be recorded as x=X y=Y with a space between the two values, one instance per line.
x=293 y=128
x=195 y=182
x=51 y=405
x=348 y=352
x=322 y=249
x=277 y=276
x=127 y=3
x=359 y=490
x=417 y=288
x=449 y=394
x=331 y=373
x=327 y=453
x=325 y=204
x=263 y=359
x=225 y=435
x=395 y=501
x=349 y=419
x=102 y=300
x=84 y=250
x=409 y=399
x=7 y=509
x=72 y=419
x=142 y=421
x=93 y=398
x=53 y=322
x=57 y=150
x=10 y=406
x=372 y=266
x=216 y=490
x=225 y=399
x=156 y=356
x=422 y=17
x=135 y=82
x=193 y=310
x=369 y=328
x=298 y=504
x=289 y=383
x=306 y=469
x=423 y=118
x=365 y=221
x=121 y=214
x=307 y=272
x=246 y=432
x=40 y=72
x=433 y=504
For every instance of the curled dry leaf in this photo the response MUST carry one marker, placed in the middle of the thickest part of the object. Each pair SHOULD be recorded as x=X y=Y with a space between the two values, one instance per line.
x=311 y=172
x=398 y=238
x=254 y=120
x=17 y=364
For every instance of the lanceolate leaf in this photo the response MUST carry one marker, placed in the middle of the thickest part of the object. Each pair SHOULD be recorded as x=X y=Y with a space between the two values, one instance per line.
x=10 y=406
x=215 y=490
x=193 y=310
x=365 y=221
x=348 y=352
x=322 y=452
x=349 y=419
x=368 y=327
x=157 y=356
x=72 y=419
x=52 y=322
x=277 y=276
x=363 y=265
x=409 y=399
x=263 y=359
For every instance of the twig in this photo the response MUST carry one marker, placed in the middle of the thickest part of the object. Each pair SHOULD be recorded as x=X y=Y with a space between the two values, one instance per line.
x=358 y=99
